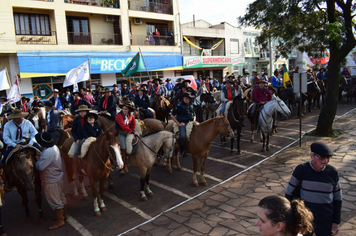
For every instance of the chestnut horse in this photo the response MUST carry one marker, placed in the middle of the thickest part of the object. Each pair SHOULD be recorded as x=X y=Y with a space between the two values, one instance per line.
x=102 y=156
x=67 y=121
x=199 y=145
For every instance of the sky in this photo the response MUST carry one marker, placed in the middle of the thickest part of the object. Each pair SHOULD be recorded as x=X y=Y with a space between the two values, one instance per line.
x=213 y=11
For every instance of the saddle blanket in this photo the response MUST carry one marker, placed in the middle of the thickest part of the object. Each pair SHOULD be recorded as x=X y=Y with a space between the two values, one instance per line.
x=84 y=149
x=188 y=128
x=228 y=104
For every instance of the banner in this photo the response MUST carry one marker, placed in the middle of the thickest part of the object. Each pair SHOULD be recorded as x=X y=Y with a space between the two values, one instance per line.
x=14 y=94
x=307 y=64
x=135 y=65
x=200 y=62
x=4 y=81
x=76 y=75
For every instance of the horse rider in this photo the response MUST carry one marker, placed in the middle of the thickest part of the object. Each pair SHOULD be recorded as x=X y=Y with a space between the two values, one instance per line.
x=50 y=166
x=227 y=94
x=5 y=107
x=25 y=105
x=182 y=115
x=77 y=102
x=156 y=89
x=179 y=94
x=178 y=86
x=78 y=136
x=261 y=95
x=97 y=92
x=238 y=88
x=115 y=91
x=69 y=97
x=89 y=97
x=198 y=104
x=208 y=85
x=18 y=132
x=164 y=89
x=133 y=93
x=91 y=127
x=310 y=77
x=125 y=124
x=124 y=91
x=36 y=104
x=107 y=104
x=169 y=85
x=245 y=81
x=275 y=81
x=59 y=102
x=54 y=122
x=142 y=102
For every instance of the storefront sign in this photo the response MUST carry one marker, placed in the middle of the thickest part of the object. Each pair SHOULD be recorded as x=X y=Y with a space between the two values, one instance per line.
x=43 y=91
x=200 y=62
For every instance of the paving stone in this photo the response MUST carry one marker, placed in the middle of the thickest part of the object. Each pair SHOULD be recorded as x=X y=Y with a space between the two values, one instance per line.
x=200 y=227
x=214 y=218
x=349 y=198
x=177 y=218
x=227 y=208
x=191 y=205
x=218 y=231
x=213 y=211
x=263 y=190
x=188 y=234
x=212 y=203
x=229 y=194
x=195 y=232
x=219 y=198
x=348 y=205
x=160 y=232
x=173 y=225
x=184 y=213
x=233 y=225
x=162 y=220
x=147 y=227
x=135 y=232
x=226 y=215
x=236 y=202
x=233 y=232
x=178 y=231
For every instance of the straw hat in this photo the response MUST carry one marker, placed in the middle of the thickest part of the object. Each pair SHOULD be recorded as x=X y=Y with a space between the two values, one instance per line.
x=17 y=113
x=44 y=139
x=83 y=108
x=260 y=81
x=55 y=91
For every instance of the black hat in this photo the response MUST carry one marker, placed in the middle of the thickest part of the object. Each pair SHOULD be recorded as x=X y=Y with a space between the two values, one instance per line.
x=179 y=80
x=321 y=149
x=78 y=93
x=91 y=114
x=142 y=89
x=67 y=89
x=186 y=80
x=228 y=81
x=49 y=104
x=168 y=79
x=44 y=139
x=184 y=86
x=159 y=80
x=114 y=85
x=231 y=76
x=187 y=95
x=3 y=97
x=24 y=97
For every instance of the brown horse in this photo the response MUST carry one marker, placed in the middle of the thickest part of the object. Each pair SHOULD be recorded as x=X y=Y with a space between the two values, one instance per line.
x=313 y=90
x=102 y=156
x=38 y=119
x=67 y=121
x=145 y=156
x=320 y=94
x=235 y=117
x=21 y=169
x=159 y=105
x=199 y=145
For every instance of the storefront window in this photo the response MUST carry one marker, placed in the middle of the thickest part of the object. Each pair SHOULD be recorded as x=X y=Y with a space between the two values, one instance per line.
x=138 y=77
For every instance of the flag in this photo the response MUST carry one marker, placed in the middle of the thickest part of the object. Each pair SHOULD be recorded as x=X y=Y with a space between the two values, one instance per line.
x=285 y=75
x=4 y=81
x=14 y=94
x=307 y=63
x=76 y=75
x=135 y=65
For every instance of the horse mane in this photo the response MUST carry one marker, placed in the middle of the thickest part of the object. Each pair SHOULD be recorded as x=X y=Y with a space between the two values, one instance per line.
x=153 y=132
x=209 y=121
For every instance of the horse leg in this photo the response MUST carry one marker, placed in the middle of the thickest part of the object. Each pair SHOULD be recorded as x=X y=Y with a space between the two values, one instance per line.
x=142 y=189
x=238 y=142
x=252 y=137
x=232 y=145
x=38 y=190
x=177 y=159
x=267 y=144
x=110 y=182
x=23 y=195
x=147 y=188
x=82 y=188
x=101 y=195
x=195 y=168
x=202 y=167
x=263 y=141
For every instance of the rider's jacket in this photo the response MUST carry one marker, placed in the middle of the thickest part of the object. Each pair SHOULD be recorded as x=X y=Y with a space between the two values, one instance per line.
x=18 y=133
x=143 y=102
x=184 y=112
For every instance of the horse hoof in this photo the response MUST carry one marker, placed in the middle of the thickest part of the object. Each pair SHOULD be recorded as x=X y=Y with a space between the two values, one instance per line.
x=122 y=173
x=170 y=171
x=196 y=184
x=268 y=148
x=144 y=199
x=86 y=198
x=204 y=183
x=251 y=140
x=41 y=221
x=28 y=219
x=150 y=194
x=238 y=152
x=263 y=149
x=111 y=186
x=179 y=168
x=97 y=213
x=103 y=209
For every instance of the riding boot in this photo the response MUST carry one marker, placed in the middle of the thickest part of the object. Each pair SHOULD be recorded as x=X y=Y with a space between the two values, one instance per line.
x=125 y=159
x=75 y=166
x=181 y=142
x=59 y=219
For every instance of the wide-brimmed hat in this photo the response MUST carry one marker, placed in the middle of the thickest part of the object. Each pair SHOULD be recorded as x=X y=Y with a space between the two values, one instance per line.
x=186 y=80
x=78 y=93
x=227 y=81
x=168 y=79
x=49 y=104
x=55 y=91
x=184 y=86
x=24 y=97
x=261 y=81
x=159 y=80
x=128 y=104
x=188 y=95
x=83 y=108
x=107 y=90
x=17 y=113
x=114 y=85
x=91 y=114
x=3 y=97
x=44 y=139
x=231 y=77
x=142 y=89
x=179 y=80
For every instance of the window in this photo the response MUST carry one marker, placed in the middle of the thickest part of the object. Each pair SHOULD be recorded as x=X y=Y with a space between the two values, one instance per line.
x=162 y=28
x=204 y=43
x=234 y=46
x=32 y=24
x=78 y=30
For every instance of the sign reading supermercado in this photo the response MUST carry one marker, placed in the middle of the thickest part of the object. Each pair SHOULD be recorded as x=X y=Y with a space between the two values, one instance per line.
x=200 y=62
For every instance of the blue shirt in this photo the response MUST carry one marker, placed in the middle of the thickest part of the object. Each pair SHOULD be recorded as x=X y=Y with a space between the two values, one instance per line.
x=10 y=132
x=169 y=86
x=275 y=81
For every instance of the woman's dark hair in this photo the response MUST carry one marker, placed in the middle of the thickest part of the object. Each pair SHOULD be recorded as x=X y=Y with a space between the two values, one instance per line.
x=296 y=217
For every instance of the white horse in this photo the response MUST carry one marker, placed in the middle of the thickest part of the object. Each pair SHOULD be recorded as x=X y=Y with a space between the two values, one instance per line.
x=265 y=119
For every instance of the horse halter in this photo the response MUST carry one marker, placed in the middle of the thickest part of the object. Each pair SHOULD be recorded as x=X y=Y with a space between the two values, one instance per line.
x=110 y=156
x=226 y=128
x=285 y=113
x=15 y=169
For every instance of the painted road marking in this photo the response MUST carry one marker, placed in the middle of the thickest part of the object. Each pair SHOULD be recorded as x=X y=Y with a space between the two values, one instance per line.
x=252 y=153
x=78 y=226
x=165 y=187
x=205 y=175
x=128 y=206
x=227 y=162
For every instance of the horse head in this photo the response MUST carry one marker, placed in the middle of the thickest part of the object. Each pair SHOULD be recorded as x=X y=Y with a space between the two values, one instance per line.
x=207 y=98
x=280 y=106
x=169 y=144
x=23 y=167
x=113 y=146
x=224 y=127
x=321 y=86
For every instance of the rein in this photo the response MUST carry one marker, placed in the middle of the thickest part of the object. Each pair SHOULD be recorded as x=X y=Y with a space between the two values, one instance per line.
x=111 y=169
x=151 y=148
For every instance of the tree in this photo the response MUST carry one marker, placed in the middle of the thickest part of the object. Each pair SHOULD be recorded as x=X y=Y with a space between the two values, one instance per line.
x=309 y=25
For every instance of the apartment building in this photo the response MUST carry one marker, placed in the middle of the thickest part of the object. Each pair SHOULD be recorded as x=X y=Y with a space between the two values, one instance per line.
x=227 y=56
x=41 y=40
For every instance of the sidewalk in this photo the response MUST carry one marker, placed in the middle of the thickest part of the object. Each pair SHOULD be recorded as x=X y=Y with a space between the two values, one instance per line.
x=230 y=209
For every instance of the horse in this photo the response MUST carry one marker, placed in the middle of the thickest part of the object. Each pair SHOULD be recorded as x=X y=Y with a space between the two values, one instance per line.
x=199 y=145
x=265 y=120
x=143 y=114
x=38 y=119
x=22 y=173
x=97 y=166
x=313 y=89
x=161 y=108
x=235 y=116
x=321 y=94
x=145 y=156
x=67 y=121
x=209 y=104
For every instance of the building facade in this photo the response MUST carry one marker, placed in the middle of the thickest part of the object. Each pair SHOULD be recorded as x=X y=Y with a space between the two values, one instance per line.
x=42 y=40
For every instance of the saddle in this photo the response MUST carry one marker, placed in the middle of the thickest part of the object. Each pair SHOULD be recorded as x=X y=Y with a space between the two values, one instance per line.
x=84 y=149
x=107 y=115
x=188 y=128
x=131 y=141
x=253 y=112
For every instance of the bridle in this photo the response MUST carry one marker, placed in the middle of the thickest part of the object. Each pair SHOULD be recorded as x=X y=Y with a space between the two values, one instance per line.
x=152 y=149
x=15 y=169
x=110 y=156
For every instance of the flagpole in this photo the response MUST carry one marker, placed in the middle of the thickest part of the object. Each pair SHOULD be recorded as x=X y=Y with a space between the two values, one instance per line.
x=18 y=88
x=149 y=76
x=89 y=73
x=8 y=77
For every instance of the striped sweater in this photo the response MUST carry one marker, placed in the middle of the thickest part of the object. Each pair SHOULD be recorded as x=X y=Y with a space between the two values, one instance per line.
x=321 y=191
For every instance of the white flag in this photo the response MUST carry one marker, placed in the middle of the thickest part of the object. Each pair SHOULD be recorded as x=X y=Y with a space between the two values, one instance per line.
x=76 y=75
x=4 y=82
x=14 y=94
x=307 y=63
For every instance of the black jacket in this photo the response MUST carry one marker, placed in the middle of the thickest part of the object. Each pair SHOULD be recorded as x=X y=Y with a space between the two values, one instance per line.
x=74 y=107
x=35 y=105
x=55 y=121
x=184 y=112
x=6 y=109
x=144 y=102
x=91 y=131
x=77 y=129
x=110 y=107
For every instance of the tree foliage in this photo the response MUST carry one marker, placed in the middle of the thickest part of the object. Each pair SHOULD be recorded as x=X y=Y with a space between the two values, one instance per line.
x=308 y=25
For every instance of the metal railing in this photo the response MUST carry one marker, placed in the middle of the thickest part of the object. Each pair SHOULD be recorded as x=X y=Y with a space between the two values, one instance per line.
x=153 y=40
x=94 y=38
x=39 y=38
x=100 y=3
x=145 y=5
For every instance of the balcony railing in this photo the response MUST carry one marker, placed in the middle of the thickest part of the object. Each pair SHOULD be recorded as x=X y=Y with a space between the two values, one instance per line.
x=94 y=38
x=152 y=40
x=40 y=38
x=100 y=3
x=145 y=5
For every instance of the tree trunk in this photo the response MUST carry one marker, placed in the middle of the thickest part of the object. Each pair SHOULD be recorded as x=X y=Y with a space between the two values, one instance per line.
x=328 y=112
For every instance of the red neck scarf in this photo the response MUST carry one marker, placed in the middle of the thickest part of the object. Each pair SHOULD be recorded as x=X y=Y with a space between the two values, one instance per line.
x=207 y=86
x=24 y=107
x=229 y=96
x=18 y=131
x=105 y=103
x=157 y=87
x=82 y=120
x=76 y=103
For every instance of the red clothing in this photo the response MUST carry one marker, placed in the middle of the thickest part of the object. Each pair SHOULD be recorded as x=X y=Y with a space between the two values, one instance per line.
x=120 y=119
x=89 y=99
x=229 y=95
x=105 y=103
x=261 y=95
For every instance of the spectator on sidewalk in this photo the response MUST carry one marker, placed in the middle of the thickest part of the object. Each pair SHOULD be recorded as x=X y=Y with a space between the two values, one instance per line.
x=279 y=217
x=317 y=183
